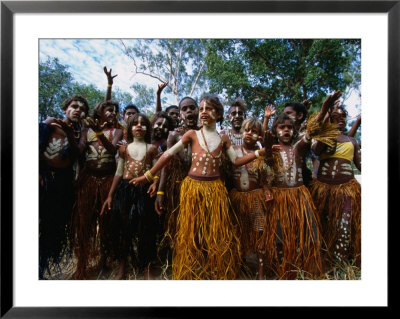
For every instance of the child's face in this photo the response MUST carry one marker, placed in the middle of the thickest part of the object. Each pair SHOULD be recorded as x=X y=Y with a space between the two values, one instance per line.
x=285 y=131
x=129 y=113
x=339 y=117
x=236 y=117
x=75 y=111
x=139 y=128
x=189 y=112
x=160 y=127
x=208 y=114
x=250 y=135
x=108 y=114
x=292 y=113
x=174 y=114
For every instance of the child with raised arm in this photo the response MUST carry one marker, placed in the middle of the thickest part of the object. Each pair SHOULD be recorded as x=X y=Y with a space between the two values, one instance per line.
x=99 y=140
x=295 y=220
x=206 y=244
x=132 y=208
x=250 y=195
x=337 y=194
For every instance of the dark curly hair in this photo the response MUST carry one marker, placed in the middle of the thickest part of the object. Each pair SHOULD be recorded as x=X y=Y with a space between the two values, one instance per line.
x=78 y=98
x=100 y=107
x=162 y=114
x=299 y=108
x=280 y=120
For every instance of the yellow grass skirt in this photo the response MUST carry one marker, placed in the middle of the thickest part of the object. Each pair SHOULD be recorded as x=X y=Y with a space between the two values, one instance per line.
x=251 y=208
x=296 y=244
x=206 y=243
x=330 y=202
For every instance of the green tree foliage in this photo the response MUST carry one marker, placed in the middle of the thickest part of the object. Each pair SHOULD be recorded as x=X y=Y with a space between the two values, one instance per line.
x=275 y=71
x=181 y=62
x=54 y=84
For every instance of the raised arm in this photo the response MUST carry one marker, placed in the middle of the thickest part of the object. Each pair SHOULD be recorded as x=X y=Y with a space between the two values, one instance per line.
x=110 y=81
x=268 y=112
x=161 y=87
x=355 y=127
x=328 y=104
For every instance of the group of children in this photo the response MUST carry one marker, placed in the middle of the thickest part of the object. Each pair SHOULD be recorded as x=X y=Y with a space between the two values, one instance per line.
x=132 y=189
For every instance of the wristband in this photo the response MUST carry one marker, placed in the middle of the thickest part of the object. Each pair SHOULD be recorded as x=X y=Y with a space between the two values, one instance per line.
x=160 y=193
x=149 y=176
x=316 y=172
x=109 y=85
x=156 y=177
x=98 y=133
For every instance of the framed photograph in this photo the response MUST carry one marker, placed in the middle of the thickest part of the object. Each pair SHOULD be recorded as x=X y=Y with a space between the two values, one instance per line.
x=25 y=23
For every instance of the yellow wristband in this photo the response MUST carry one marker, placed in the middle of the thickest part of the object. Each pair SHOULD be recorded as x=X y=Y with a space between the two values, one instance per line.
x=160 y=193
x=109 y=85
x=98 y=133
x=149 y=176
x=155 y=177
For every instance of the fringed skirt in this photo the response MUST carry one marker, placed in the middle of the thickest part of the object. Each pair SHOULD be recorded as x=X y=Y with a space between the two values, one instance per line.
x=91 y=232
x=134 y=224
x=56 y=197
x=339 y=207
x=251 y=209
x=206 y=244
x=297 y=245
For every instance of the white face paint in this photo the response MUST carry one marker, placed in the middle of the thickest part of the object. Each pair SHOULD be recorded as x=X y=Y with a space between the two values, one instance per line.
x=255 y=137
x=291 y=132
x=80 y=103
x=83 y=114
x=280 y=133
x=212 y=115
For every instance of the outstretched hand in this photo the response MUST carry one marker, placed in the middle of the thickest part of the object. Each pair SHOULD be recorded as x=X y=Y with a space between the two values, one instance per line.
x=142 y=180
x=152 y=190
x=268 y=140
x=94 y=124
x=330 y=101
x=269 y=110
x=109 y=76
x=161 y=87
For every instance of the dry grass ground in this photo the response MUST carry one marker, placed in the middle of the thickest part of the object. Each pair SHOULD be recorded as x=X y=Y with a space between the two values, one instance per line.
x=162 y=271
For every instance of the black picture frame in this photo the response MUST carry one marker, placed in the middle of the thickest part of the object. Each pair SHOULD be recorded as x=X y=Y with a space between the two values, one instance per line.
x=9 y=8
